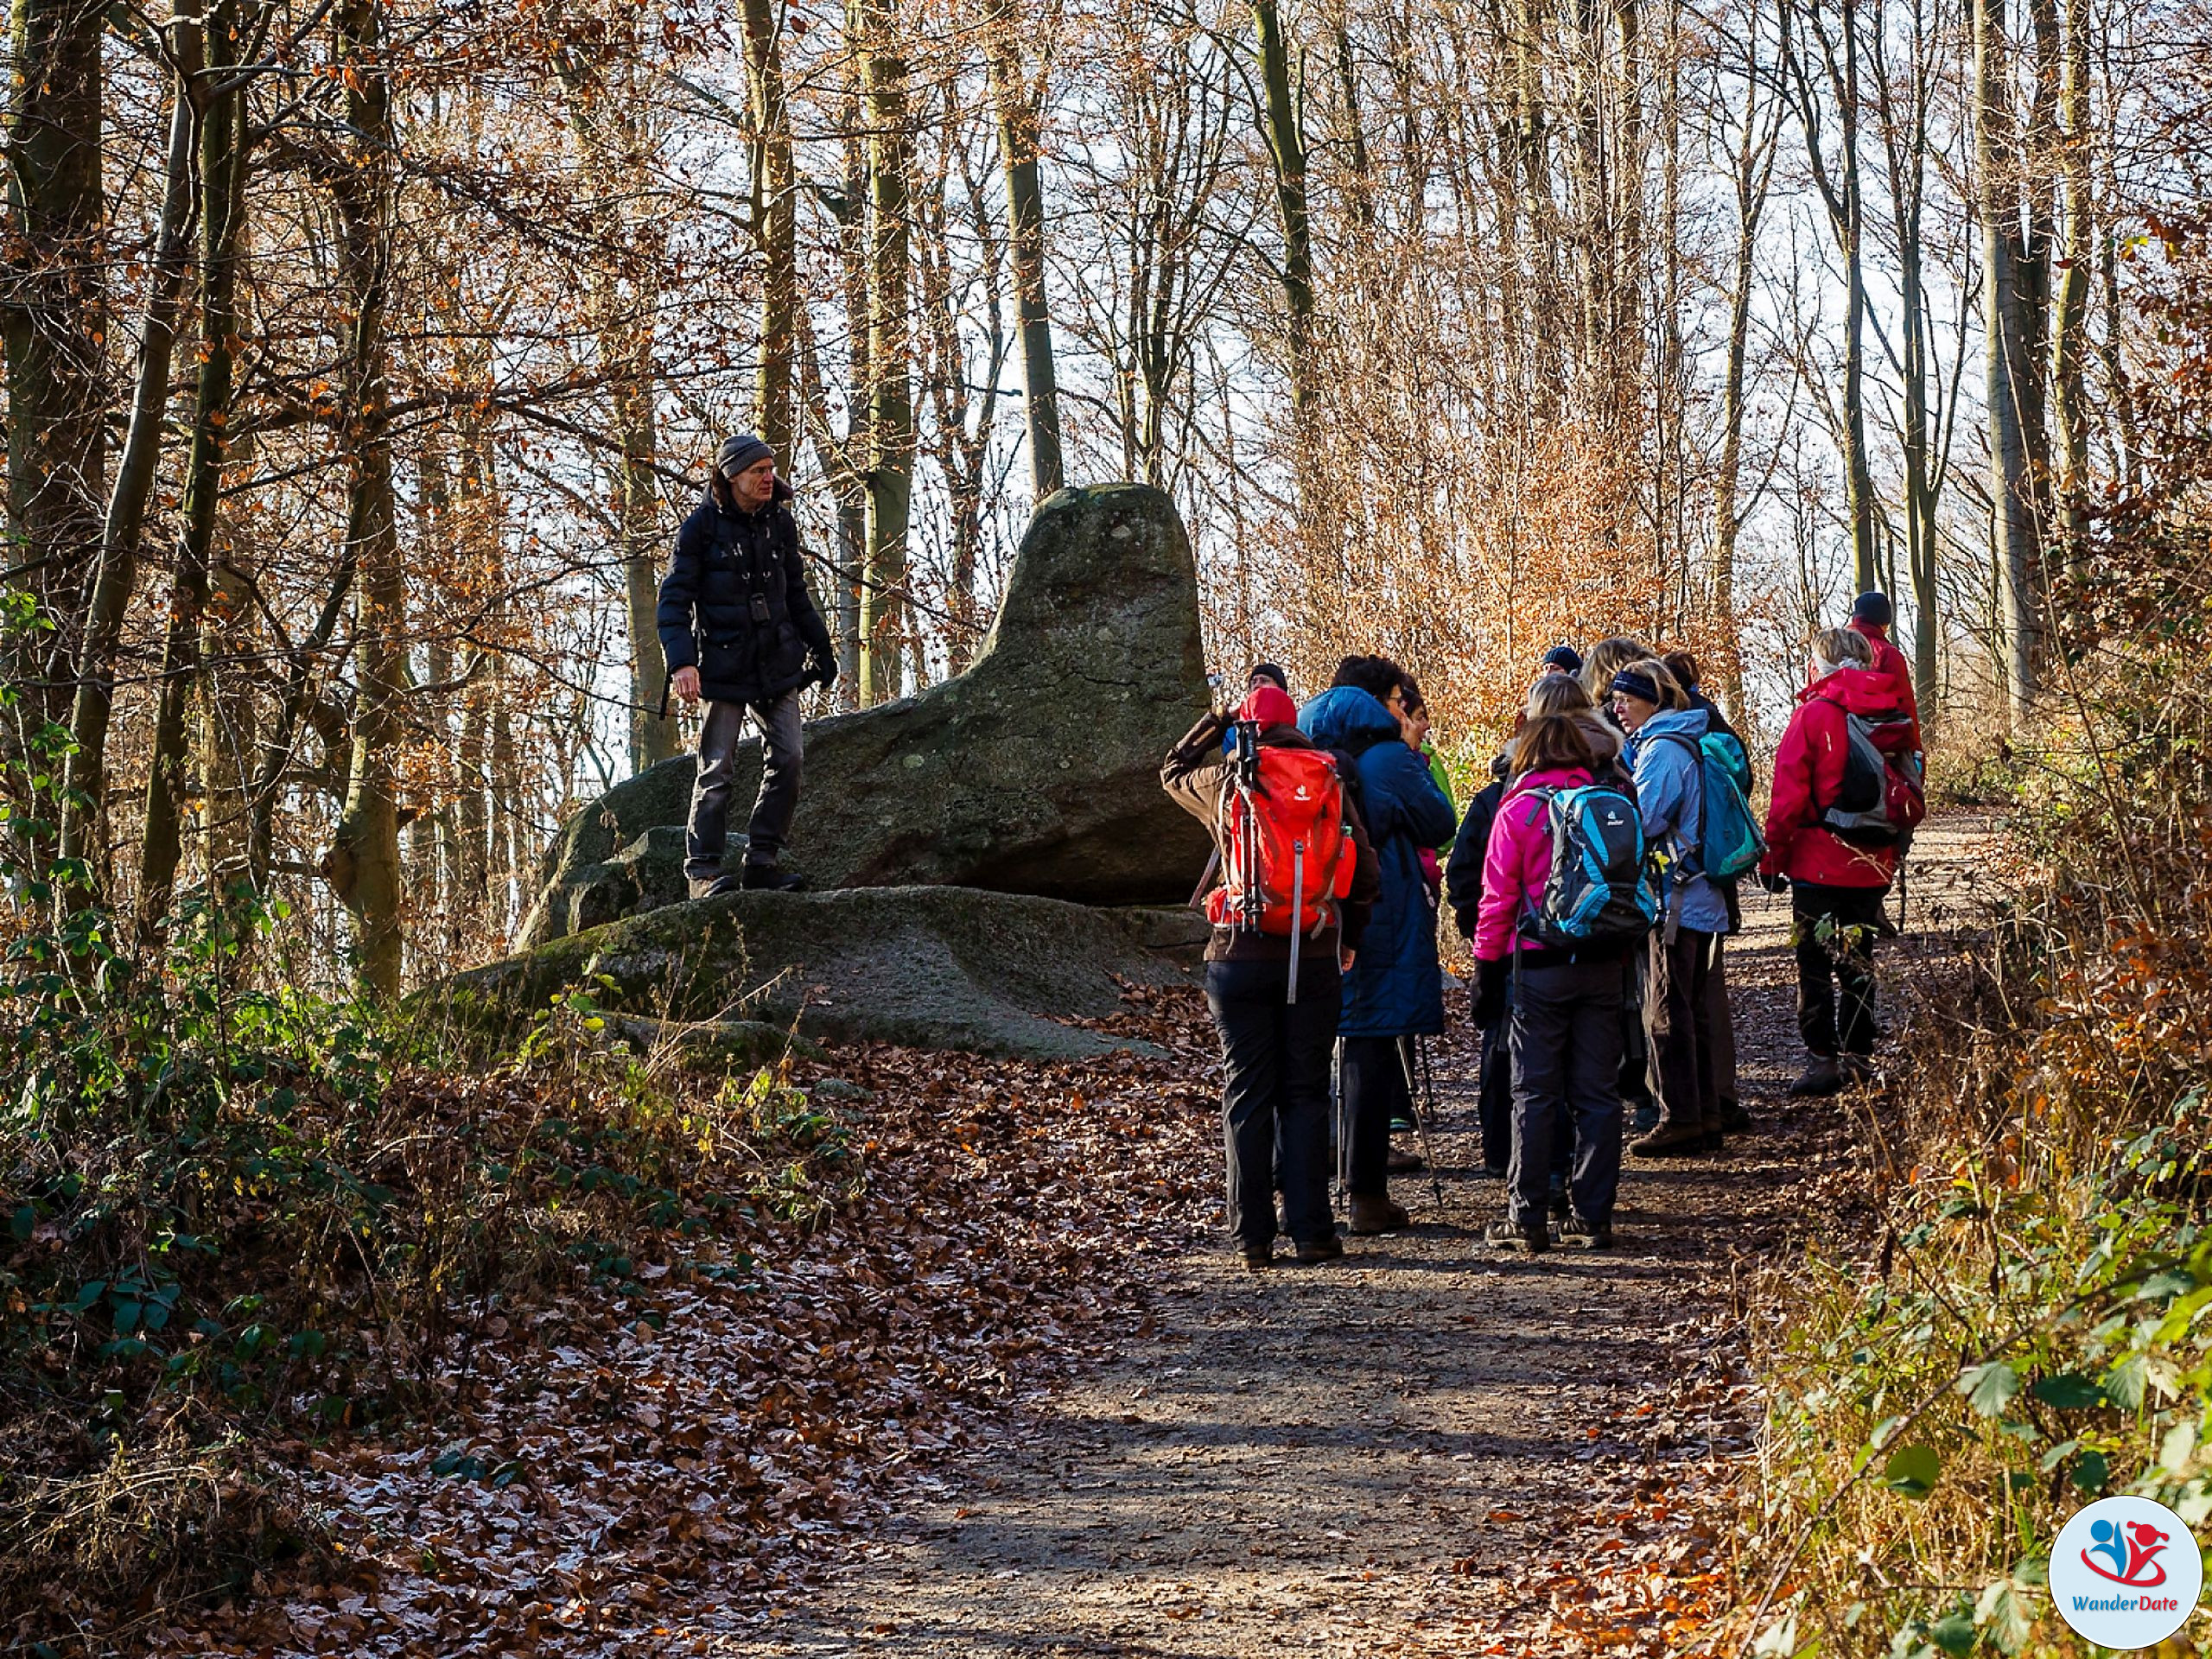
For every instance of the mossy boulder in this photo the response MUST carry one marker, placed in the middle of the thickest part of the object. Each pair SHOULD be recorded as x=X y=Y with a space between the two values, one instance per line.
x=929 y=967
x=1035 y=772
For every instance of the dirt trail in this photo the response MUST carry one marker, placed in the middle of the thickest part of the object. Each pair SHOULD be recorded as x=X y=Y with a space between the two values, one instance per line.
x=1426 y=1449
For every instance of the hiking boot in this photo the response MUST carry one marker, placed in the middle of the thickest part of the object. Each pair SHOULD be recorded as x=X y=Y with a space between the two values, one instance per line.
x=703 y=884
x=768 y=878
x=1404 y=1163
x=1821 y=1077
x=1581 y=1234
x=1314 y=1250
x=1259 y=1254
x=1715 y=1141
x=1670 y=1140
x=1645 y=1118
x=1858 y=1070
x=1734 y=1118
x=1372 y=1214
x=1533 y=1237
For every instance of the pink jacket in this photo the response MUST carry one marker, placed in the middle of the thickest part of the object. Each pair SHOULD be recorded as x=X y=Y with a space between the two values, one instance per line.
x=1517 y=862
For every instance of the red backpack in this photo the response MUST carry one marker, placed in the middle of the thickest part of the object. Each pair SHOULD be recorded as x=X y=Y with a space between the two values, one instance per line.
x=1285 y=849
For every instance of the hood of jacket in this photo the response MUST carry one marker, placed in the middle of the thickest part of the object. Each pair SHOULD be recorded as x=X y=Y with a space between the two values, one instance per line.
x=1877 y=631
x=1692 y=723
x=1344 y=717
x=1862 y=690
x=1604 y=737
x=1547 y=777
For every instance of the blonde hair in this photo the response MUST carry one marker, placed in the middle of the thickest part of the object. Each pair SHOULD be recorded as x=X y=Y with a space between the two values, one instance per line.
x=1842 y=648
x=1606 y=659
x=1671 y=695
x=1558 y=693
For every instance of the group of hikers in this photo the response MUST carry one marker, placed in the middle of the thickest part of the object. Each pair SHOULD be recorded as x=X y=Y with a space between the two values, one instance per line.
x=1595 y=878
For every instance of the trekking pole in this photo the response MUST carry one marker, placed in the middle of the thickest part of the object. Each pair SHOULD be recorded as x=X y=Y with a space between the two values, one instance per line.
x=1420 y=1127
x=1337 y=1125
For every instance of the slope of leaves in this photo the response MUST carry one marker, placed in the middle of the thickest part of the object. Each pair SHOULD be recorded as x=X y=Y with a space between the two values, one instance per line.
x=705 y=1417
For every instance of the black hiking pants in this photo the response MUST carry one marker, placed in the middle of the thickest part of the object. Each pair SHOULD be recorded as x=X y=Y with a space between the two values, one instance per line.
x=1566 y=1057
x=1372 y=1075
x=781 y=753
x=1275 y=1093
x=1494 y=1104
x=1832 y=931
x=1678 y=1012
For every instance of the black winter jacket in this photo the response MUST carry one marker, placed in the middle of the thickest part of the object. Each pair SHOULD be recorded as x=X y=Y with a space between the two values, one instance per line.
x=1462 y=871
x=735 y=603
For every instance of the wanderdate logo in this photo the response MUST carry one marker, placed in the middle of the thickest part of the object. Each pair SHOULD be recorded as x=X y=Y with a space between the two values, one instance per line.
x=2126 y=1572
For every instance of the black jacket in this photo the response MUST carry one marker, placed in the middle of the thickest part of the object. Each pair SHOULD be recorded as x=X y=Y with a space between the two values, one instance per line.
x=1462 y=871
x=735 y=603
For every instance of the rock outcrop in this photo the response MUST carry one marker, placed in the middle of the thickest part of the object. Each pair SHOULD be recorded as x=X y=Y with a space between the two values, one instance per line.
x=929 y=967
x=1035 y=772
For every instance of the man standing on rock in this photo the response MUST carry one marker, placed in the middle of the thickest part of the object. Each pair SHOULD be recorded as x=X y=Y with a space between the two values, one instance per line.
x=740 y=629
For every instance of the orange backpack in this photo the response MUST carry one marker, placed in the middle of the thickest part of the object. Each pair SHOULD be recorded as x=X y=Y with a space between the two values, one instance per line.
x=1285 y=845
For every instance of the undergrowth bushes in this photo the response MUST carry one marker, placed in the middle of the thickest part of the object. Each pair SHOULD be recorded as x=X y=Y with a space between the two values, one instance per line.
x=233 y=1219
x=2032 y=1327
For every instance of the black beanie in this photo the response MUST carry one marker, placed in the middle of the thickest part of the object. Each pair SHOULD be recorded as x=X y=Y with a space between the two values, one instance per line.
x=1636 y=685
x=738 y=451
x=1564 y=656
x=1268 y=671
x=1874 y=609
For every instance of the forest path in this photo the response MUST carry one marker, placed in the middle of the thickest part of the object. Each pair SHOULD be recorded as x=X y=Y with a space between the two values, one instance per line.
x=1426 y=1449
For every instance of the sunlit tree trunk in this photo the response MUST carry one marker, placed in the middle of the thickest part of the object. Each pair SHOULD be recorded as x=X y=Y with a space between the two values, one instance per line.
x=1285 y=138
x=221 y=165
x=884 y=623
x=2015 y=547
x=365 y=859
x=2069 y=323
x=1016 y=98
x=124 y=533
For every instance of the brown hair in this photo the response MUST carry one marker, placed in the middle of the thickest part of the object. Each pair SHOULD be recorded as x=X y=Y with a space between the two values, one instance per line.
x=1550 y=742
x=1845 y=647
x=1558 y=693
x=1683 y=667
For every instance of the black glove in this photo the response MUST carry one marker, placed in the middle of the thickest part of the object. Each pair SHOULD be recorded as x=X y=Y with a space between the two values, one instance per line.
x=1774 y=883
x=822 y=670
x=1490 y=981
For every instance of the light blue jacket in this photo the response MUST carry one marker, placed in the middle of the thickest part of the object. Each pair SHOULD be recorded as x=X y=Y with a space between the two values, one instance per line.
x=1670 y=790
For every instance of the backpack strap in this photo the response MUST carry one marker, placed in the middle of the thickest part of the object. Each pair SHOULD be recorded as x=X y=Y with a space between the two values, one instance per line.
x=1697 y=758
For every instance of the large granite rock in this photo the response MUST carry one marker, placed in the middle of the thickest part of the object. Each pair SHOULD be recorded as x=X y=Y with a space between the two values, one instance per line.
x=929 y=967
x=1035 y=772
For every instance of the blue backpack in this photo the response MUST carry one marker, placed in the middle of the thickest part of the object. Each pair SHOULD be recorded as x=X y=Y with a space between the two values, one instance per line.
x=1600 y=890
x=1728 y=845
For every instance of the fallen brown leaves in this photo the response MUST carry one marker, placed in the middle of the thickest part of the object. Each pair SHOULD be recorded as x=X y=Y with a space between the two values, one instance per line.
x=672 y=1456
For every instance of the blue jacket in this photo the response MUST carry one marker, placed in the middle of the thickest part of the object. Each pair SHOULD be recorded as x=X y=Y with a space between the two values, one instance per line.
x=1670 y=790
x=1395 y=988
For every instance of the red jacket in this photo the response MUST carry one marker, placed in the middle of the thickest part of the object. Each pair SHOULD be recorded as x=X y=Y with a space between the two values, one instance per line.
x=1807 y=773
x=1891 y=664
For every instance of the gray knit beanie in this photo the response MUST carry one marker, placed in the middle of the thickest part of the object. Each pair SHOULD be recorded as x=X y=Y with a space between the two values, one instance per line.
x=740 y=452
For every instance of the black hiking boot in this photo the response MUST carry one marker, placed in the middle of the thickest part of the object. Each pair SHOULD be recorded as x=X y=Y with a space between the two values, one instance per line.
x=1372 y=1213
x=1821 y=1077
x=768 y=878
x=1259 y=1254
x=1533 y=1238
x=1403 y=1162
x=1316 y=1251
x=1734 y=1118
x=1581 y=1234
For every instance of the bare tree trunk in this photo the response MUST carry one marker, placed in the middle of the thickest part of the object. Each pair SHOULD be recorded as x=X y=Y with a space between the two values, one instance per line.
x=1754 y=175
x=363 y=862
x=2070 y=329
x=53 y=304
x=775 y=218
x=2014 y=547
x=886 y=628
x=1017 y=100
x=86 y=801
x=221 y=173
x=1286 y=135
